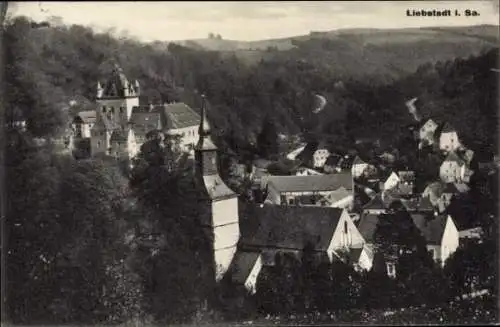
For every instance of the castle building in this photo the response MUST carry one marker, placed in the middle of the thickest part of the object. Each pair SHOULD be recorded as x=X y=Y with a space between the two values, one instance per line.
x=119 y=125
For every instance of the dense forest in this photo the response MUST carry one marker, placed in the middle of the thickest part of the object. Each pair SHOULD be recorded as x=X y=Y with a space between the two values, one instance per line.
x=89 y=241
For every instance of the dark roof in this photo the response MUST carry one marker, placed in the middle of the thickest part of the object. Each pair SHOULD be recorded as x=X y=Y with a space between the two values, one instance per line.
x=241 y=266
x=318 y=183
x=291 y=227
x=432 y=228
x=346 y=162
x=355 y=254
x=358 y=160
x=367 y=226
x=117 y=83
x=307 y=153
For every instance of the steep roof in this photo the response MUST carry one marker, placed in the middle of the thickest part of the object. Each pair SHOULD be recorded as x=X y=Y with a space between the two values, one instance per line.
x=291 y=227
x=87 y=117
x=432 y=228
x=242 y=265
x=216 y=188
x=367 y=226
x=333 y=160
x=450 y=188
x=311 y=183
x=117 y=83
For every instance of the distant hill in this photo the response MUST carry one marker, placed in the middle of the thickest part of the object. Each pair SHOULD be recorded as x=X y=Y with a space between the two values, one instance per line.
x=389 y=52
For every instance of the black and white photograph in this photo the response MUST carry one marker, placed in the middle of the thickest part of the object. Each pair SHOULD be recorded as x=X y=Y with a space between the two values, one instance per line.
x=249 y=163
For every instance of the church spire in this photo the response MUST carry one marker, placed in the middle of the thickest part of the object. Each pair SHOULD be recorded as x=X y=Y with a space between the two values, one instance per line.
x=204 y=129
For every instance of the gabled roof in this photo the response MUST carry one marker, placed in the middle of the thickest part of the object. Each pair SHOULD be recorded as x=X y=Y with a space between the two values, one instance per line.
x=87 y=117
x=316 y=183
x=143 y=122
x=242 y=265
x=431 y=227
x=291 y=227
x=367 y=226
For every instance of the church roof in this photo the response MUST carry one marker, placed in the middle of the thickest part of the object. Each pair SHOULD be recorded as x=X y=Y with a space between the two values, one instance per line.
x=216 y=188
x=311 y=183
x=291 y=227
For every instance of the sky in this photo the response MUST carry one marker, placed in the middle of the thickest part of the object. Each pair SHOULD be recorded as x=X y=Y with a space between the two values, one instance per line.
x=249 y=20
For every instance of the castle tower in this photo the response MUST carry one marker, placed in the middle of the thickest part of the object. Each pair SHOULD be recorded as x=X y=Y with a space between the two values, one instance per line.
x=117 y=97
x=221 y=223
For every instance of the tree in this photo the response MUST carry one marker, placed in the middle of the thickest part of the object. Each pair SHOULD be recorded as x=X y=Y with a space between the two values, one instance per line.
x=267 y=140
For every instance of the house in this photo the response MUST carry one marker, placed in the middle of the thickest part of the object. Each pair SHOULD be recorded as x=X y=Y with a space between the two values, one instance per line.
x=440 y=194
x=286 y=229
x=244 y=270
x=121 y=125
x=375 y=206
x=83 y=123
x=320 y=156
x=358 y=167
x=440 y=233
x=454 y=169
x=427 y=132
x=449 y=140
x=391 y=181
x=401 y=181
x=288 y=189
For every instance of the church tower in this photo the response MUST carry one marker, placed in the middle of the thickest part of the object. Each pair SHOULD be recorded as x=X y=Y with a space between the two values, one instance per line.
x=221 y=222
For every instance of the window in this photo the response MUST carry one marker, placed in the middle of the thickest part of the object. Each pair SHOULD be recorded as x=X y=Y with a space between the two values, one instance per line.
x=121 y=110
x=104 y=109
x=98 y=144
x=112 y=110
x=345 y=227
x=391 y=270
x=290 y=201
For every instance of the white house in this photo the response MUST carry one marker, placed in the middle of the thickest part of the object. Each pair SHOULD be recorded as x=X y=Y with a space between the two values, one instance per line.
x=427 y=131
x=449 y=140
x=358 y=167
x=293 y=190
x=320 y=156
x=454 y=170
x=391 y=182
x=440 y=233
